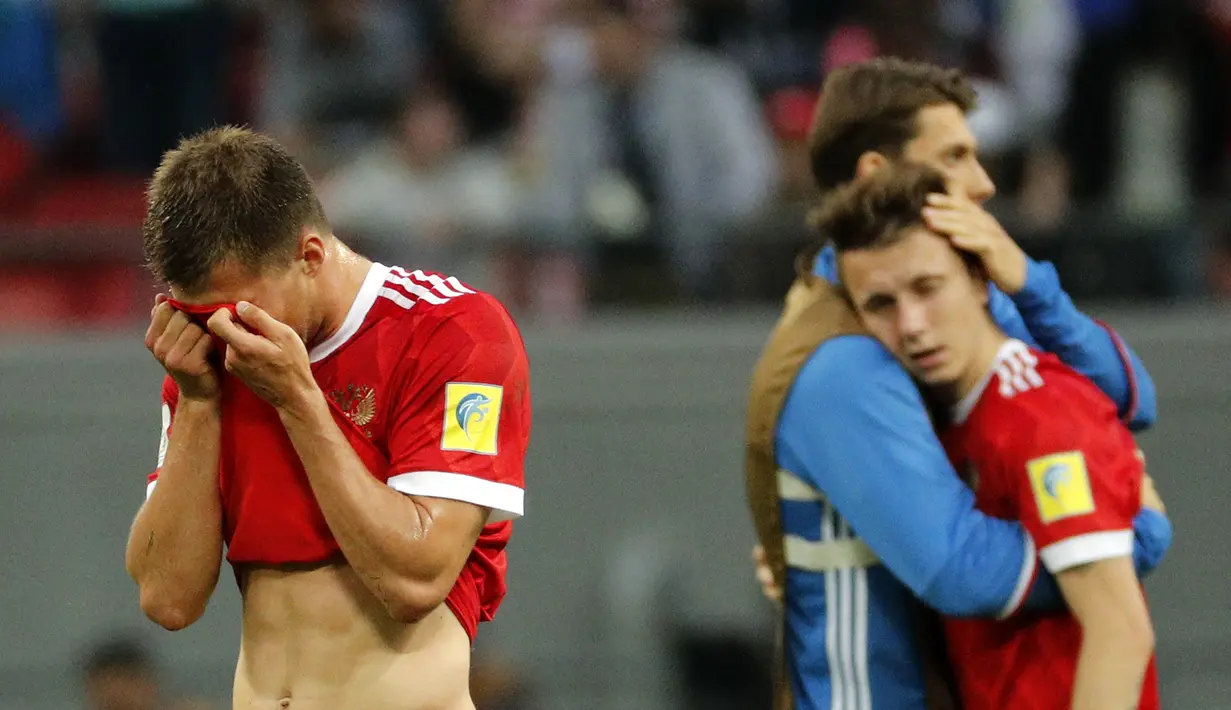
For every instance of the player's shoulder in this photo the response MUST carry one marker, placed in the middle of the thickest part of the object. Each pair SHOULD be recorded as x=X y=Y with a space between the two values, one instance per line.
x=1035 y=387
x=421 y=300
x=850 y=361
x=849 y=377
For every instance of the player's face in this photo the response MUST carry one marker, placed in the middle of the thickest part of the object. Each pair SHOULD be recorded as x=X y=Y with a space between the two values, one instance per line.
x=918 y=298
x=944 y=141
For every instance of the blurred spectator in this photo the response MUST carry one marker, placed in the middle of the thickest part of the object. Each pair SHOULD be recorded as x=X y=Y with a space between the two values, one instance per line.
x=164 y=69
x=1148 y=121
x=120 y=674
x=333 y=68
x=30 y=110
x=766 y=257
x=662 y=146
x=420 y=197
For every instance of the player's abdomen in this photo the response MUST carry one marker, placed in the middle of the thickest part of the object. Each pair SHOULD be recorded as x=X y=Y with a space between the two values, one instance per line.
x=316 y=639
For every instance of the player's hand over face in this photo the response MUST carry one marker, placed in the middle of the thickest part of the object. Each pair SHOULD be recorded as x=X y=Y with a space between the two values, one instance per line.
x=765 y=576
x=182 y=347
x=265 y=354
x=971 y=228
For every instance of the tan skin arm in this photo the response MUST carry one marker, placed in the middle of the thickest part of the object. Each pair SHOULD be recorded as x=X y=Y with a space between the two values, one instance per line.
x=1117 y=636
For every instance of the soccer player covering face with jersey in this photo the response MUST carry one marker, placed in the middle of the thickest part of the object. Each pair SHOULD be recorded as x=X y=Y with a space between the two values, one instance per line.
x=352 y=433
x=1037 y=441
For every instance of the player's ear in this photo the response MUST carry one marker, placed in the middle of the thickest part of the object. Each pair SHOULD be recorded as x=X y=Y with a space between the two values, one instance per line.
x=869 y=162
x=312 y=251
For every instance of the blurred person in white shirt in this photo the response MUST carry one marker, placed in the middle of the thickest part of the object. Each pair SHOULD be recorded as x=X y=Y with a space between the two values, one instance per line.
x=421 y=194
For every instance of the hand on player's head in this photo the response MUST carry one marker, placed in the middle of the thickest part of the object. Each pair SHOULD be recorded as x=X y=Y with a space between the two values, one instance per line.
x=973 y=229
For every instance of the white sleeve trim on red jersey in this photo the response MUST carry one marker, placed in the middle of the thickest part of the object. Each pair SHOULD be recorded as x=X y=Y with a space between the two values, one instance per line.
x=164 y=434
x=1024 y=578
x=506 y=501
x=1084 y=549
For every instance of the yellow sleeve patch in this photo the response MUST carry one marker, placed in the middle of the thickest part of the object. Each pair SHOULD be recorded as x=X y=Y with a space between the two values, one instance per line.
x=1061 y=485
x=472 y=417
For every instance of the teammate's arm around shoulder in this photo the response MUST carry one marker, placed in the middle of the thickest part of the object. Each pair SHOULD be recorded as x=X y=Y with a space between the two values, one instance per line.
x=174 y=549
x=859 y=431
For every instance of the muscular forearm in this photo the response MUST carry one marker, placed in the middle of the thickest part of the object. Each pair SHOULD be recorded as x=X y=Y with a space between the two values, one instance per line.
x=386 y=536
x=175 y=546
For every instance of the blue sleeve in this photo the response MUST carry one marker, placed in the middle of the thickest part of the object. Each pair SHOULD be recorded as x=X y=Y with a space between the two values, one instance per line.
x=1084 y=344
x=855 y=427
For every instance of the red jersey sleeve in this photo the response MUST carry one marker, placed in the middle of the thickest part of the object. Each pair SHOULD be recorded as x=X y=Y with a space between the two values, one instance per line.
x=170 y=397
x=1077 y=478
x=461 y=420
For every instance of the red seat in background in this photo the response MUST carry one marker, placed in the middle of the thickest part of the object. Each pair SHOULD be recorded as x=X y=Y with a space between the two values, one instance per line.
x=70 y=256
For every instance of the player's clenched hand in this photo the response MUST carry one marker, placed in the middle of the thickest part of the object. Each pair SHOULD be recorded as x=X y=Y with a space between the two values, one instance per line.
x=971 y=228
x=265 y=354
x=182 y=348
x=765 y=576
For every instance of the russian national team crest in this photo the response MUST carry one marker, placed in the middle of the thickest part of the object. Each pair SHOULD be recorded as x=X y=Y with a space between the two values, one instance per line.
x=472 y=417
x=357 y=403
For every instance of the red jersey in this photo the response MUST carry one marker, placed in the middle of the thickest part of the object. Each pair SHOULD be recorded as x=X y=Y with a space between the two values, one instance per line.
x=429 y=381
x=1042 y=445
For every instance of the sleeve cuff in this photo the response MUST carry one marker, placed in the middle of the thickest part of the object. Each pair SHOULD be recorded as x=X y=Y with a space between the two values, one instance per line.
x=1025 y=579
x=1084 y=549
x=149 y=488
x=1040 y=286
x=1130 y=374
x=506 y=501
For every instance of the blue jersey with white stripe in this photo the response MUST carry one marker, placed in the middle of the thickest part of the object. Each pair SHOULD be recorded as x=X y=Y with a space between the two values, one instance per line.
x=862 y=468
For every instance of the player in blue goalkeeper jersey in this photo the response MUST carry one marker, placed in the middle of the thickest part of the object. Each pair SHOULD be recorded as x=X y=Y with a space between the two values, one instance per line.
x=866 y=470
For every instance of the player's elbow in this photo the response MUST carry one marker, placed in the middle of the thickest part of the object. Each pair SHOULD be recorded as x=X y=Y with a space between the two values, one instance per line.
x=169 y=612
x=412 y=602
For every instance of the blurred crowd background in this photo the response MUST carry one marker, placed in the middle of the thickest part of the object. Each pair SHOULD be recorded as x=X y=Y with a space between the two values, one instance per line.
x=577 y=158
x=572 y=154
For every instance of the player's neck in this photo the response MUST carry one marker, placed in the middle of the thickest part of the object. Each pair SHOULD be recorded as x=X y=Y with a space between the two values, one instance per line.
x=986 y=353
x=346 y=280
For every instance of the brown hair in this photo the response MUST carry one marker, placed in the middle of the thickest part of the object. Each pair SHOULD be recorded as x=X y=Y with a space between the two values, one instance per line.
x=876 y=211
x=226 y=193
x=872 y=106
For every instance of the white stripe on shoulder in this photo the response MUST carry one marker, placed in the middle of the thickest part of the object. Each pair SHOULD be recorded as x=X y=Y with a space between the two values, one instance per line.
x=407 y=288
